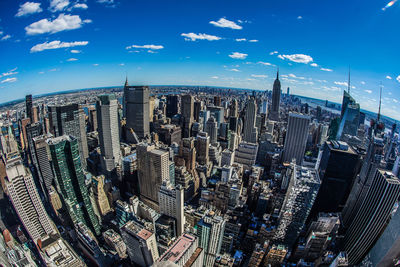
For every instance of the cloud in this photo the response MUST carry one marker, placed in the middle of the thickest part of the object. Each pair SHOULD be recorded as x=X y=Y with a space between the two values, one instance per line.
x=61 y=23
x=362 y=82
x=238 y=55
x=341 y=83
x=224 y=23
x=388 y=77
x=325 y=69
x=1 y=32
x=80 y=5
x=259 y=76
x=5 y=37
x=214 y=77
x=41 y=72
x=122 y=64
x=265 y=63
x=95 y=64
x=200 y=36
x=58 y=5
x=395 y=100
x=235 y=70
x=314 y=64
x=105 y=1
x=72 y=59
x=291 y=75
x=298 y=58
x=151 y=46
x=253 y=41
x=241 y=40
x=9 y=73
x=299 y=17
x=398 y=78
x=28 y=8
x=56 y=44
x=368 y=91
x=73 y=51
x=9 y=80
x=273 y=53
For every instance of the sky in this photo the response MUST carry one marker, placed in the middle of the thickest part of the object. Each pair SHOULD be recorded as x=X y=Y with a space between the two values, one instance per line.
x=56 y=45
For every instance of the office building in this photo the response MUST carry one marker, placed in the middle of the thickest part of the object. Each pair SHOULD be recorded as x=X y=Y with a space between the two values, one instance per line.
x=276 y=255
x=141 y=244
x=108 y=128
x=276 y=98
x=136 y=102
x=70 y=120
x=227 y=157
x=296 y=137
x=42 y=162
x=202 y=148
x=246 y=154
x=114 y=240
x=233 y=108
x=212 y=130
x=153 y=170
x=89 y=246
x=100 y=195
x=299 y=199
x=26 y=201
x=249 y=129
x=171 y=202
x=187 y=110
x=28 y=107
x=372 y=216
x=70 y=180
x=172 y=105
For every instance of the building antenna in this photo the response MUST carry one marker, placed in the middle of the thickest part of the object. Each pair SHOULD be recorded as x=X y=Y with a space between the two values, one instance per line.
x=348 y=83
x=380 y=98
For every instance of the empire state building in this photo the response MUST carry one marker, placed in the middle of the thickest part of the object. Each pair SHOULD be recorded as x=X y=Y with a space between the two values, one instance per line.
x=276 y=97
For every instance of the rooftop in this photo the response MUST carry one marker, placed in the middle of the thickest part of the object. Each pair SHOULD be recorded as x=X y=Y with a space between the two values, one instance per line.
x=175 y=252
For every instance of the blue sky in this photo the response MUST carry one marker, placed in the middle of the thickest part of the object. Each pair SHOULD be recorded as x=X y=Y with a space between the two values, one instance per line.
x=56 y=45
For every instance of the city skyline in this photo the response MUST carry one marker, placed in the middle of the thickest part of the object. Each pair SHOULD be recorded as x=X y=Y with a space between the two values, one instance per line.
x=47 y=45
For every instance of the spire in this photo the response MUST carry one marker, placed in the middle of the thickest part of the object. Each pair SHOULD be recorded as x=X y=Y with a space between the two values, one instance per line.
x=379 y=110
x=348 y=83
x=277 y=74
x=126 y=81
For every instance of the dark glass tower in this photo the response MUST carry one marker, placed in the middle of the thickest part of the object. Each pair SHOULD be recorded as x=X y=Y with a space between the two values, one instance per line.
x=172 y=105
x=28 y=105
x=276 y=98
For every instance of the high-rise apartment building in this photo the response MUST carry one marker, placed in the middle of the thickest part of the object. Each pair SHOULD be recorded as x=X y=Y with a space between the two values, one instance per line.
x=249 y=129
x=108 y=128
x=141 y=244
x=296 y=137
x=136 y=102
x=187 y=110
x=70 y=120
x=171 y=202
x=276 y=98
x=70 y=180
x=26 y=201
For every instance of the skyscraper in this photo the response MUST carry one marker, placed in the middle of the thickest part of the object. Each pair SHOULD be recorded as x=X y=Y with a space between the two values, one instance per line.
x=42 y=162
x=153 y=170
x=28 y=107
x=187 y=111
x=70 y=120
x=202 y=148
x=70 y=180
x=371 y=218
x=296 y=137
x=26 y=201
x=172 y=105
x=276 y=98
x=171 y=201
x=108 y=128
x=212 y=129
x=136 y=101
x=249 y=129
x=100 y=196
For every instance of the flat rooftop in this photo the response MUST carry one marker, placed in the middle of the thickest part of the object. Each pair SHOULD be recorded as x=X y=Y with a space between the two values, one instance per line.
x=175 y=252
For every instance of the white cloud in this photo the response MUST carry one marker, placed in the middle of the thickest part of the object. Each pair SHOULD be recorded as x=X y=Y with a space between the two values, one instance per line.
x=388 y=77
x=341 y=83
x=41 y=72
x=322 y=81
x=58 y=5
x=253 y=41
x=151 y=46
x=28 y=8
x=122 y=64
x=200 y=36
x=95 y=64
x=362 y=82
x=314 y=64
x=9 y=73
x=214 y=77
x=298 y=58
x=72 y=59
x=55 y=45
x=273 y=53
x=9 y=80
x=151 y=52
x=73 y=51
x=5 y=37
x=259 y=76
x=62 y=23
x=224 y=23
x=238 y=55
x=395 y=100
x=325 y=69
x=291 y=75
x=241 y=40
x=398 y=78
x=299 y=17
x=235 y=70
x=265 y=63
x=105 y=1
x=368 y=91
x=80 y=5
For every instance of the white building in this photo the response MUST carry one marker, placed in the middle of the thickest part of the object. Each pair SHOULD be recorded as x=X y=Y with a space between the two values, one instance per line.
x=171 y=202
